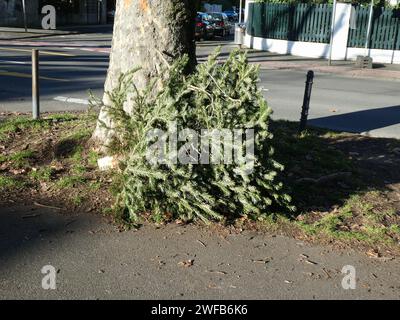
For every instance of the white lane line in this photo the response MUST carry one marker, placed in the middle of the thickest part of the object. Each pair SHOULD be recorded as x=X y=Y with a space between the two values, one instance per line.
x=54 y=53
x=71 y=100
x=100 y=50
x=15 y=62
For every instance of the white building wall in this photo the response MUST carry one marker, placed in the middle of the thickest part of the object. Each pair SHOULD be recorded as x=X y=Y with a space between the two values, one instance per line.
x=340 y=51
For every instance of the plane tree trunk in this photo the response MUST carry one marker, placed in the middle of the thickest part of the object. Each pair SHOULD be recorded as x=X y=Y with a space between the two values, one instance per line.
x=145 y=33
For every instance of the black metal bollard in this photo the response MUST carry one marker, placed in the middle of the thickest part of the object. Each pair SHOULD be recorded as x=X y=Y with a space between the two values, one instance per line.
x=35 y=84
x=306 y=101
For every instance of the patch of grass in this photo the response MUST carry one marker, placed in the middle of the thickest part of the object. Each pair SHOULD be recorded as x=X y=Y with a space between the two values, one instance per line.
x=77 y=200
x=42 y=174
x=311 y=156
x=78 y=167
x=18 y=159
x=71 y=145
x=77 y=155
x=62 y=117
x=76 y=173
x=78 y=170
x=71 y=148
x=3 y=158
x=10 y=183
x=395 y=228
x=107 y=211
x=16 y=124
x=356 y=220
x=70 y=181
x=92 y=158
x=116 y=184
x=158 y=218
x=95 y=185
x=21 y=158
x=79 y=135
x=308 y=150
x=61 y=166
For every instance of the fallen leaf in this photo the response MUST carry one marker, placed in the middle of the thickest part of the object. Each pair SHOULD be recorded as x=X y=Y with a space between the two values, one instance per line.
x=202 y=243
x=46 y=206
x=17 y=171
x=263 y=261
x=213 y=286
x=186 y=263
x=217 y=272
x=373 y=253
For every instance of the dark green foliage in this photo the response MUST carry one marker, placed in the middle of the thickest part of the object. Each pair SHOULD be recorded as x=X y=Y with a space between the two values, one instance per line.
x=215 y=96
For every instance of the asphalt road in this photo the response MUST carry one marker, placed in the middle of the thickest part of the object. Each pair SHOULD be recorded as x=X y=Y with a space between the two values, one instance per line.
x=93 y=260
x=70 y=66
x=356 y=105
x=73 y=64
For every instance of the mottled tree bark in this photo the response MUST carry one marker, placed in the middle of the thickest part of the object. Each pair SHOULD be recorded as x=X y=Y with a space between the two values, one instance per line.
x=145 y=33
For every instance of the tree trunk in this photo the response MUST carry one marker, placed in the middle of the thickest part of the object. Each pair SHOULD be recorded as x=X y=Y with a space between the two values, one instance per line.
x=145 y=33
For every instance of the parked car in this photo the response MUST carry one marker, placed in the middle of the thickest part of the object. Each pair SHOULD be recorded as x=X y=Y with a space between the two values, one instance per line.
x=222 y=26
x=204 y=26
x=233 y=16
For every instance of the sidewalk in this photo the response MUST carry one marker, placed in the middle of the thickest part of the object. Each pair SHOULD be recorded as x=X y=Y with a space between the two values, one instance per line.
x=271 y=61
x=7 y=33
x=96 y=261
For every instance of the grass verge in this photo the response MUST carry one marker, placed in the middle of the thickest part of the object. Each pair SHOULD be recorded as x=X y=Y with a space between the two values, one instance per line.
x=346 y=187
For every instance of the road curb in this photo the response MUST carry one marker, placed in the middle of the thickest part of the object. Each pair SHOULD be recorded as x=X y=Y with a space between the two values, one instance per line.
x=338 y=70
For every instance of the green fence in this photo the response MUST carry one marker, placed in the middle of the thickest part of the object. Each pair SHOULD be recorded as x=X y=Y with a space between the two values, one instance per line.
x=295 y=22
x=385 y=31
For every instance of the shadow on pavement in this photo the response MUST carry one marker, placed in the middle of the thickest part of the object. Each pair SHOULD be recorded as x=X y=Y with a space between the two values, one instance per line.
x=369 y=164
x=361 y=121
x=27 y=228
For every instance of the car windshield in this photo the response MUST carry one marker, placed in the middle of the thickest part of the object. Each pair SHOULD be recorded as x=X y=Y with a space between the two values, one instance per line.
x=202 y=17
x=217 y=16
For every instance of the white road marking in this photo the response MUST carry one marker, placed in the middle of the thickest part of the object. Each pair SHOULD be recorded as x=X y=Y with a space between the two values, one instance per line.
x=7 y=73
x=15 y=62
x=71 y=100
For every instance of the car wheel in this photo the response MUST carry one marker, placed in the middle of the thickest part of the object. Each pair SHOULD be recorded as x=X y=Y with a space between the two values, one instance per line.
x=204 y=35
